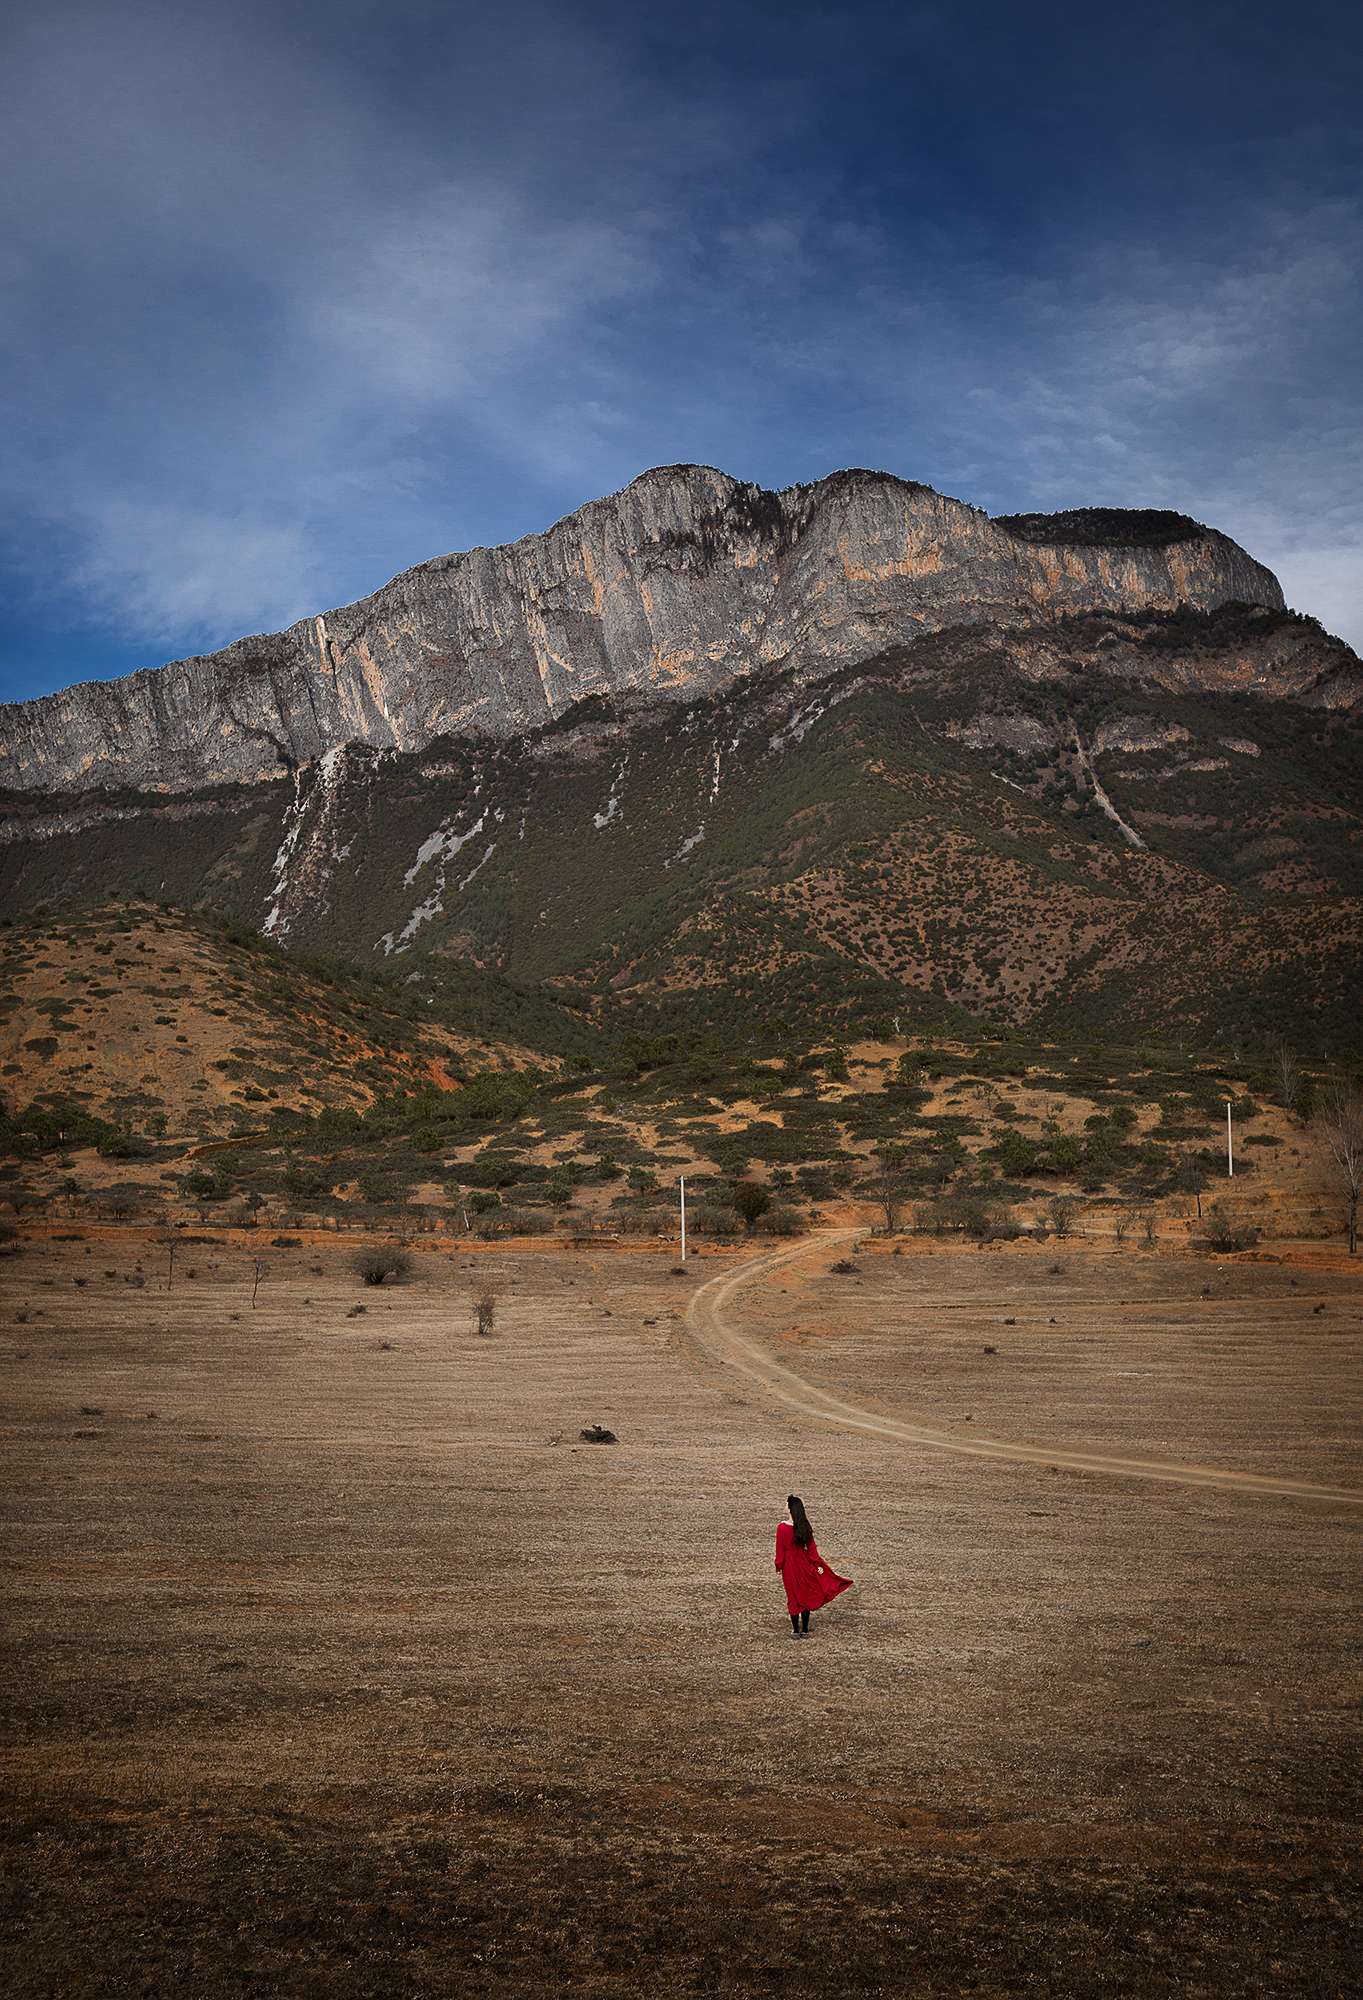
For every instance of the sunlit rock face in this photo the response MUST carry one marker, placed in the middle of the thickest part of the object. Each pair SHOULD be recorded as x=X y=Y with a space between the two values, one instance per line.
x=675 y=586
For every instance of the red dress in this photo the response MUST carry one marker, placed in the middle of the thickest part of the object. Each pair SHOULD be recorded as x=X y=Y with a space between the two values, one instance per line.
x=809 y=1582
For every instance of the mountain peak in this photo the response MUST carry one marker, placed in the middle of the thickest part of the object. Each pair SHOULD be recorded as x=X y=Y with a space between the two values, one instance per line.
x=682 y=583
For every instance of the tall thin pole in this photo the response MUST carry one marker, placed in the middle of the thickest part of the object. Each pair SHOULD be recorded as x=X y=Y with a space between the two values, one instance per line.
x=1230 y=1156
x=682 y=1183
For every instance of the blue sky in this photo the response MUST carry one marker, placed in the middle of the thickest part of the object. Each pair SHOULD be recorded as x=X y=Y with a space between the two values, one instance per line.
x=295 y=296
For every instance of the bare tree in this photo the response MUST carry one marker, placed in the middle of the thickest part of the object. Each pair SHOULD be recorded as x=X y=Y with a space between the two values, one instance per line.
x=1338 y=1124
x=1286 y=1071
x=1191 y=1176
x=888 y=1184
x=485 y=1310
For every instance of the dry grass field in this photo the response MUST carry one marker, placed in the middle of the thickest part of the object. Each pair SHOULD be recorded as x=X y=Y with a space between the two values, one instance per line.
x=337 y=1664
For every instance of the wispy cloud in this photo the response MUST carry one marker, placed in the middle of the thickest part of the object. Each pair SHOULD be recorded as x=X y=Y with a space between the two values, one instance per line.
x=296 y=297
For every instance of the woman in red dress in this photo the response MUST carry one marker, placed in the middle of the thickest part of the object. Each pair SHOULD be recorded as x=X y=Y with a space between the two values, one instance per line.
x=809 y=1582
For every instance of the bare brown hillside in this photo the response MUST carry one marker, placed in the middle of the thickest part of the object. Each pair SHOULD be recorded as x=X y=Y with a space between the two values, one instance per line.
x=161 y=1022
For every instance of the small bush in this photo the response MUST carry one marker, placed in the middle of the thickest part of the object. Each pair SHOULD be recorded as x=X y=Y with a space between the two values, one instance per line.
x=751 y=1200
x=782 y=1221
x=514 y=1222
x=971 y=1214
x=379 y=1261
x=1229 y=1232
x=715 y=1222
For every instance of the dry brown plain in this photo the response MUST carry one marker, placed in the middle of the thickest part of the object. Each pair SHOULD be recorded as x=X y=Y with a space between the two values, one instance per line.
x=337 y=1665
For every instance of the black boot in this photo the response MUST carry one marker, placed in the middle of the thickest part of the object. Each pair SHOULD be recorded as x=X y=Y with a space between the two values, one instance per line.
x=804 y=1623
x=795 y=1625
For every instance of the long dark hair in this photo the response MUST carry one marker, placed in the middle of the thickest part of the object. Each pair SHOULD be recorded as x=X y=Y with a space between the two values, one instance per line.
x=804 y=1534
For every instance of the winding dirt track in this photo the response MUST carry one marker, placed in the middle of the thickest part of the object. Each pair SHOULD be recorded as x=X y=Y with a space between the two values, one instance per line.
x=731 y=1348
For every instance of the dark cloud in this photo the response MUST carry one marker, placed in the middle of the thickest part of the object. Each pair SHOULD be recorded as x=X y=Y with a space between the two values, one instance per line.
x=296 y=297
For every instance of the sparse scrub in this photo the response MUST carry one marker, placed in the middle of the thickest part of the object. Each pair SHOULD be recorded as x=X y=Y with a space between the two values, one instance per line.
x=712 y=1221
x=1228 y=1232
x=1338 y=1126
x=379 y=1261
x=781 y=1221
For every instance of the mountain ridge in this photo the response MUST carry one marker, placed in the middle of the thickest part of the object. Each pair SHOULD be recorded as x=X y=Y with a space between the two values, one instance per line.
x=1087 y=823
x=682 y=583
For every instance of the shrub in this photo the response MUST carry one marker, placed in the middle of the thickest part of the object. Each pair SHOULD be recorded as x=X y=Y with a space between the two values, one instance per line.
x=122 y=1146
x=972 y=1214
x=425 y=1139
x=482 y=1199
x=123 y=1200
x=782 y=1221
x=715 y=1221
x=1016 y=1155
x=751 y=1200
x=638 y=1224
x=379 y=1261
x=1227 y=1232
x=492 y=1227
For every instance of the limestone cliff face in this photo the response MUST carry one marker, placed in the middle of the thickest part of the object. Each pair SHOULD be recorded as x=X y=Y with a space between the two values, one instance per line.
x=675 y=586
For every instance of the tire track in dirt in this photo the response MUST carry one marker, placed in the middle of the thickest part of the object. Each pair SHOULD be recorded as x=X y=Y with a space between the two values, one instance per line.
x=723 y=1342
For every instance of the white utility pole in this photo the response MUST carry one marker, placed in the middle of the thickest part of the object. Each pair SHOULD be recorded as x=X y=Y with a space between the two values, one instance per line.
x=682 y=1185
x=1230 y=1156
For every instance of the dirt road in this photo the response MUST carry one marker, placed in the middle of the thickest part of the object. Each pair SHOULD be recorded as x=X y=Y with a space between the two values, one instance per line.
x=710 y=1321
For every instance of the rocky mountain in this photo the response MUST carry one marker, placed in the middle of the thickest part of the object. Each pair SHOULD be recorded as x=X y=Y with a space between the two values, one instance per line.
x=1090 y=824
x=680 y=586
